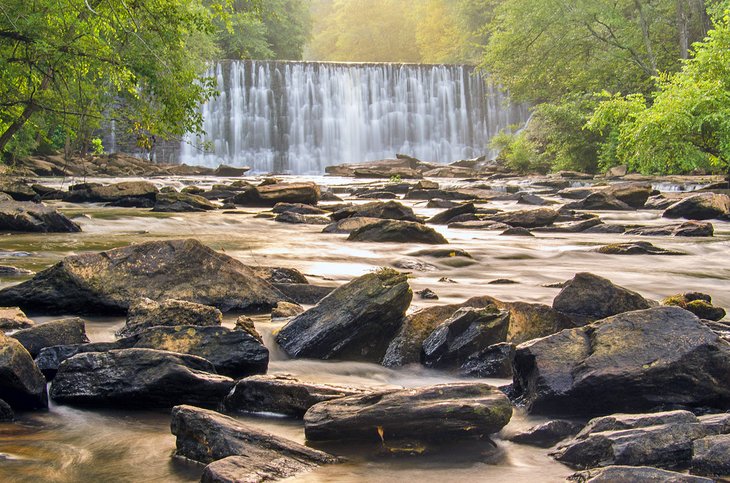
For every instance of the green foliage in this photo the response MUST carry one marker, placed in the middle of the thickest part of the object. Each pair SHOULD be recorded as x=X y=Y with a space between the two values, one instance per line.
x=395 y=178
x=517 y=152
x=97 y=147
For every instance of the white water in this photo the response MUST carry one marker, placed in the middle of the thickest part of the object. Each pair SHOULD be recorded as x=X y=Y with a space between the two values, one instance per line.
x=299 y=117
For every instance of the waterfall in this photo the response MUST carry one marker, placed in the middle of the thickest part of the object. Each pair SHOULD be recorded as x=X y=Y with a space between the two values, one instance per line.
x=299 y=117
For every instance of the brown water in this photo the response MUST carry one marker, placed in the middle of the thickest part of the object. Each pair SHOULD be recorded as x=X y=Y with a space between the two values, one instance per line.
x=66 y=444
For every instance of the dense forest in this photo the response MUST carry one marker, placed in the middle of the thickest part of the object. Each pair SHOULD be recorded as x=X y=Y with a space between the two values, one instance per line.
x=645 y=83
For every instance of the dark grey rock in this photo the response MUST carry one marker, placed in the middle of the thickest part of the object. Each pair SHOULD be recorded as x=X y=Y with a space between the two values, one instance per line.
x=56 y=332
x=547 y=434
x=397 y=231
x=25 y=216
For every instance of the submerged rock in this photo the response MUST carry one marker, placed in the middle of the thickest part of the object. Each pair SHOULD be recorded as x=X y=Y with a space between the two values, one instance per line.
x=618 y=474
x=138 y=378
x=56 y=332
x=22 y=385
x=688 y=228
x=433 y=413
x=283 y=394
x=390 y=210
x=704 y=206
x=356 y=321
x=635 y=248
x=25 y=216
x=633 y=361
x=397 y=231
x=145 y=313
x=110 y=281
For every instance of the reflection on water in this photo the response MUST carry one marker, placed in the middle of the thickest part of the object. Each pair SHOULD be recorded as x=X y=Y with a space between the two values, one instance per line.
x=70 y=445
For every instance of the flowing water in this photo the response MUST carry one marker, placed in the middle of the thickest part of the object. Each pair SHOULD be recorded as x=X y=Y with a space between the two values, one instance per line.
x=299 y=117
x=66 y=444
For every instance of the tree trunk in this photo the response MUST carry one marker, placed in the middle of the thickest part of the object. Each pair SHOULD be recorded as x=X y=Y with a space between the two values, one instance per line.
x=647 y=39
x=683 y=28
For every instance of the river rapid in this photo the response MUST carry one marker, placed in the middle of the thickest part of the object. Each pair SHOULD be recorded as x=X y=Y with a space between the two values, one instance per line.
x=67 y=444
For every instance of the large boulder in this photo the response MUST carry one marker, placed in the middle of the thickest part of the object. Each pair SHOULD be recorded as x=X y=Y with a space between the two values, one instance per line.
x=356 y=321
x=633 y=194
x=348 y=225
x=688 y=228
x=527 y=218
x=433 y=413
x=704 y=206
x=18 y=190
x=493 y=361
x=621 y=421
x=92 y=192
x=635 y=248
x=390 y=210
x=50 y=358
x=181 y=202
x=12 y=318
x=711 y=456
x=633 y=361
x=208 y=436
x=599 y=201
x=56 y=332
x=108 y=282
x=22 y=385
x=145 y=313
x=398 y=232
x=6 y=412
x=590 y=297
x=466 y=332
x=446 y=216
x=271 y=194
x=141 y=378
x=234 y=353
x=25 y=216
x=282 y=394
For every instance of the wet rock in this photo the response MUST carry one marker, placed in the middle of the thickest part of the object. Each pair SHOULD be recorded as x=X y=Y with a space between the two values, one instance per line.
x=279 y=274
x=619 y=421
x=49 y=358
x=96 y=193
x=441 y=194
x=145 y=313
x=450 y=172
x=10 y=271
x=571 y=227
x=207 y=436
x=466 y=332
x=530 y=199
x=347 y=225
x=390 y=210
x=435 y=413
x=659 y=202
x=502 y=281
x=378 y=195
x=633 y=361
x=237 y=469
x=716 y=423
x=297 y=219
x=446 y=216
x=181 y=202
x=284 y=310
x=440 y=253
x=283 y=394
x=606 y=228
x=140 y=378
x=576 y=193
x=590 y=297
x=633 y=194
x=356 y=321
x=703 y=206
x=698 y=303
x=18 y=190
x=133 y=202
x=439 y=203
x=618 y=474
x=110 y=281
x=247 y=325
x=688 y=228
x=516 y=231
x=479 y=225
x=397 y=231
x=299 y=208
x=22 y=385
x=665 y=446
x=56 y=332
x=271 y=194
x=6 y=412
x=305 y=294
x=12 y=318
x=230 y=171
x=530 y=321
x=414 y=265
x=494 y=361
x=527 y=218
x=28 y=217
x=711 y=456
x=547 y=434
x=599 y=201
x=635 y=248
x=427 y=294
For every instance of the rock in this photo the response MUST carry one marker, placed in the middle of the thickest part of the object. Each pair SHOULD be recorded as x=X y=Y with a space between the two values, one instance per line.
x=716 y=423
x=432 y=194
x=494 y=361
x=347 y=225
x=531 y=321
x=450 y=172
x=530 y=199
x=356 y=321
x=638 y=474
x=547 y=434
x=516 y=231
x=28 y=217
x=439 y=203
x=284 y=310
x=22 y=385
x=599 y=201
x=635 y=248
x=590 y=297
x=698 y=303
x=446 y=216
x=659 y=202
x=18 y=190
x=527 y=218
x=571 y=227
x=633 y=361
x=108 y=282
x=181 y=202
x=414 y=265
x=282 y=394
x=502 y=281
x=10 y=271
x=298 y=219
x=390 y=210
x=145 y=313
x=12 y=318
x=633 y=194
x=617 y=171
x=230 y=171
x=434 y=413
x=299 y=208
x=426 y=184
x=141 y=378
x=711 y=456
x=576 y=193
x=618 y=422
x=305 y=294
x=279 y=274
x=688 y=228
x=135 y=202
x=207 y=436
x=50 y=358
x=247 y=325
x=466 y=332
x=93 y=192
x=665 y=446
x=427 y=294
x=56 y=332
x=6 y=412
x=271 y=194
x=378 y=195
x=440 y=253
x=703 y=206
x=397 y=231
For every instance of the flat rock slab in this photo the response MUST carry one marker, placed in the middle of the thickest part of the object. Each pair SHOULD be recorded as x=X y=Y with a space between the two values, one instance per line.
x=108 y=282
x=145 y=313
x=711 y=456
x=434 y=413
x=619 y=421
x=688 y=228
x=636 y=248
x=283 y=394
x=141 y=378
x=637 y=474
x=28 y=217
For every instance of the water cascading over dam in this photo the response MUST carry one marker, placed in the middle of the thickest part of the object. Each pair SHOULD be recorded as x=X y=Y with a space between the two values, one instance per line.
x=300 y=117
